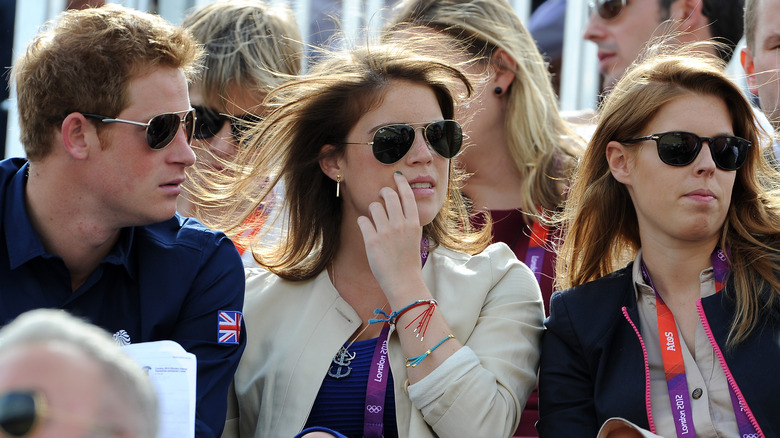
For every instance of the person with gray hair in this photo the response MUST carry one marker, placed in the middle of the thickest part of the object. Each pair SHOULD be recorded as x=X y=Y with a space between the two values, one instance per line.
x=58 y=367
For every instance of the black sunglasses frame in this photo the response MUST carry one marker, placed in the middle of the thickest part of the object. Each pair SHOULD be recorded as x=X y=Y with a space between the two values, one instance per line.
x=172 y=128
x=607 y=9
x=401 y=144
x=209 y=121
x=717 y=146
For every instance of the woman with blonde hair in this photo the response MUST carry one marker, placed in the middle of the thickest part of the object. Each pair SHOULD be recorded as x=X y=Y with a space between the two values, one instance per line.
x=521 y=151
x=673 y=179
x=382 y=312
x=251 y=48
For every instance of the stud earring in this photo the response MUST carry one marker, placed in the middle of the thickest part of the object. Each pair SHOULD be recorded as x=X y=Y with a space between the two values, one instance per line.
x=498 y=90
x=338 y=186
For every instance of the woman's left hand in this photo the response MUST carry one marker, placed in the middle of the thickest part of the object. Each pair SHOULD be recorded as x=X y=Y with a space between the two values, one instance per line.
x=392 y=237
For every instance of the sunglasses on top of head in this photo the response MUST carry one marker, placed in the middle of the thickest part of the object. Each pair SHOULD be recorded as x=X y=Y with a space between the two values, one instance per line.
x=160 y=129
x=678 y=148
x=208 y=122
x=22 y=411
x=392 y=142
x=607 y=9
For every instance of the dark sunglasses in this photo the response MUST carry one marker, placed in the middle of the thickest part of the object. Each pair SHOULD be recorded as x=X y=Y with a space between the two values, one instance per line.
x=392 y=142
x=160 y=129
x=607 y=9
x=209 y=121
x=679 y=148
x=21 y=412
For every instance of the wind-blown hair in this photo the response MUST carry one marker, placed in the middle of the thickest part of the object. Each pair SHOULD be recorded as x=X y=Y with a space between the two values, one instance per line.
x=318 y=109
x=248 y=44
x=129 y=402
x=542 y=146
x=84 y=62
x=602 y=232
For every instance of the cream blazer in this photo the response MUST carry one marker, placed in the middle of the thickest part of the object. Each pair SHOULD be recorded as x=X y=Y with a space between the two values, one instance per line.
x=491 y=301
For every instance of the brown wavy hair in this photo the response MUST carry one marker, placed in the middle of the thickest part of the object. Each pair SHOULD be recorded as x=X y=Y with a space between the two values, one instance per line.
x=602 y=232
x=320 y=108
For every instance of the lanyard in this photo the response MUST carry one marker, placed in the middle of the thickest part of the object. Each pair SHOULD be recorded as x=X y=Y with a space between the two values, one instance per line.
x=373 y=416
x=534 y=256
x=674 y=366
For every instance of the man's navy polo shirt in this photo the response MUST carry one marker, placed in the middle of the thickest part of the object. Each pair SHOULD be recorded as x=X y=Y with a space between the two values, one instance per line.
x=168 y=280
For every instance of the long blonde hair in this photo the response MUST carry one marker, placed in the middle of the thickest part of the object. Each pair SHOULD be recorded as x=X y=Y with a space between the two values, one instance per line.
x=543 y=148
x=602 y=232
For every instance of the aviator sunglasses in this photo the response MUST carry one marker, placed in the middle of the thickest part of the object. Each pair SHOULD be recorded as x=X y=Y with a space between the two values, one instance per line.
x=390 y=143
x=209 y=121
x=160 y=129
x=607 y=9
x=678 y=148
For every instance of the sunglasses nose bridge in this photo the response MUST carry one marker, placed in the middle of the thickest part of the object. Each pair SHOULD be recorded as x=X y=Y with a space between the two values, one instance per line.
x=420 y=135
x=701 y=155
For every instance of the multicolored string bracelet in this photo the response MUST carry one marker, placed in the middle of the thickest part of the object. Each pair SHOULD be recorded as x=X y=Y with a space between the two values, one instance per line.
x=424 y=317
x=414 y=361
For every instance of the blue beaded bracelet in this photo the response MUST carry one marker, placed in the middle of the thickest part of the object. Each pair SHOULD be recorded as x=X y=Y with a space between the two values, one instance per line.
x=414 y=361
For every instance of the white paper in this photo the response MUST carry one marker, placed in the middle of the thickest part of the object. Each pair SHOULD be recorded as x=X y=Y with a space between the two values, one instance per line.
x=173 y=372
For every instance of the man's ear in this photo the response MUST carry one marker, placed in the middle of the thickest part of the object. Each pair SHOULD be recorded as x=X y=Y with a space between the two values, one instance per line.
x=330 y=161
x=746 y=57
x=504 y=67
x=78 y=134
x=617 y=159
x=689 y=14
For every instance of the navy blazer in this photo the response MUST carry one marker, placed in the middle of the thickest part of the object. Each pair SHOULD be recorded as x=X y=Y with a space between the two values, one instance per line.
x=593 y=363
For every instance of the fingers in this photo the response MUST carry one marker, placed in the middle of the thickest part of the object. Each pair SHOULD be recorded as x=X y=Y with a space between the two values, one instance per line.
x=396 y=211
x=408 y=203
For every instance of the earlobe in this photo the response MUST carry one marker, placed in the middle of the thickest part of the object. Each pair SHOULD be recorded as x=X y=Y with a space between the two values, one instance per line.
x=617 y=159
x=330 y=161
x=77 y=135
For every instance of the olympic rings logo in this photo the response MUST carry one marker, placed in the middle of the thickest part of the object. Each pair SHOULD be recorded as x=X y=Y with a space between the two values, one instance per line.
x=374 y=409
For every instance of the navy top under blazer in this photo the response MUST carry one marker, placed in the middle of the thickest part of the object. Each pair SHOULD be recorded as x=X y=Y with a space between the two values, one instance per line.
x=164 y=281
x=593 y=367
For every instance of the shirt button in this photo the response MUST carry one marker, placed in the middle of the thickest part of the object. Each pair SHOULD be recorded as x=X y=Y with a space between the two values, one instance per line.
x=697 y=393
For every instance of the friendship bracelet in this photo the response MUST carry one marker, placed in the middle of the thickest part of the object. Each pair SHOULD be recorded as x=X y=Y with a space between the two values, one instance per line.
x=393 y=316
x=414 y=361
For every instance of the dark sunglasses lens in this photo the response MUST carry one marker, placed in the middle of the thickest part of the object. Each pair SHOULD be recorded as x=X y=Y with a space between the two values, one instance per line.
x=207 y=122
x=678 y=148
x=609 y=9
x=162 y=129
x=189 y=125
x=445 y=137
x=729 y=153
x=240 y=125
x=17 y=413
x=392 y=142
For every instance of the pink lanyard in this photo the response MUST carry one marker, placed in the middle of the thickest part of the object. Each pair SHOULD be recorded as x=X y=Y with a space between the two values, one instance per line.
x=674 y=366
x=373 y=416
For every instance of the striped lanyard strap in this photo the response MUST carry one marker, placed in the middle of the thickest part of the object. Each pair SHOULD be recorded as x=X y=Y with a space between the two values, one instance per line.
x=674 y=366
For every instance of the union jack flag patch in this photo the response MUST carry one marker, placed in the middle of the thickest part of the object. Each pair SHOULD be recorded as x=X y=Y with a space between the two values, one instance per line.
x=229 y=326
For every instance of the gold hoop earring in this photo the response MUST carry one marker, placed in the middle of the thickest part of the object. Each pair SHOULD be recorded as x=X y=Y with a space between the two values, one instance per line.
x=338 y=186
